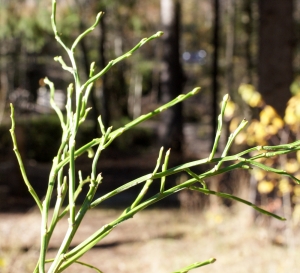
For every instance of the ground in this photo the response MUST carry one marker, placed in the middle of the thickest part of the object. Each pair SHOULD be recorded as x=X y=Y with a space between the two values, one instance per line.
x=159 y=240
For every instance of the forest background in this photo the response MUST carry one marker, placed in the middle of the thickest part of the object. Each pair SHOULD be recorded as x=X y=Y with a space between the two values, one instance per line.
x=223 y=46
x=248 y=49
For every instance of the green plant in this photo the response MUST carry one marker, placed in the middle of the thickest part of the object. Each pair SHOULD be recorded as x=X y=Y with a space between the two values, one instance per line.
x=69 y=187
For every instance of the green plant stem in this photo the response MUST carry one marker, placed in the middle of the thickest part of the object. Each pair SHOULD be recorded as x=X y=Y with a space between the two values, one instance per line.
x=61 y=194
x=82 y=211
x=231 y=139
x=90 y=242
x=164 y=168
x=20 y=161
x=124 y=56
x=73 y=229
x=73 y=122
x=192 y=174
x=89 y=266
x=70 y=91
x=72 y=179
x=131 y=124
x=55 y=218
x=81 y=263
x=195 y=265
x=273 y=170
x=53 y=104
x=77 y=192
x=67 y=154
x=148 y=182
x=90 y=29
x=219 y=129
x=232 y=197
x=45 y=231
x=53 y=24
x=78 y=251
x=44 y=224
x=292 y=147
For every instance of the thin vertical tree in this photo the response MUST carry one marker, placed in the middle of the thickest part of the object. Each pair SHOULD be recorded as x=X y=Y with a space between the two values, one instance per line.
x=248 y=28
x=105 y=102
x=215 y=66
x=230 y=45
x=172 y=77
x=276 y=43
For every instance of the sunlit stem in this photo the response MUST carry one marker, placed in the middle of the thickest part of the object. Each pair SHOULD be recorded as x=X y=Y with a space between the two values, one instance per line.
x=192 y=174
x=195 y=265
x=53 y=104
x=220 y=125
x=133 y=123
x=231 y=139
x=164 y=168
x=148 y=182
x=20 y=161
x=79 y=250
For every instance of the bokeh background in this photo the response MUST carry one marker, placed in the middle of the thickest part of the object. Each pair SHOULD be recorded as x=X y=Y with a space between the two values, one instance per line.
x=247 y=49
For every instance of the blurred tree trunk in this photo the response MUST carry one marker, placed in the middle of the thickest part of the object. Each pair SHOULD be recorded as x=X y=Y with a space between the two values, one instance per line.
x=172 y=78
x=276 y=42
x=215 y=67
x=230 y=45
x=105 y=101
x=248 y=26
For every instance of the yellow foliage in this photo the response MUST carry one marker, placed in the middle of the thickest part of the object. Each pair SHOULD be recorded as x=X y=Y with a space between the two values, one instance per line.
x=246 y=91
x=241 y=138
x=298 y=156
x=259 y=174
x=250 y=95
x=234 y=124
x=292 y=112
x=284 y=186
x=256 y=100
x=265 y=187
x=278 y=122
x=271 y=119
x=267 y=114
x=290 y=118
x=258 y=132
x=2 y=262
x=268 y=125
x=271 y=130
x=297 y=190
x=291 y=166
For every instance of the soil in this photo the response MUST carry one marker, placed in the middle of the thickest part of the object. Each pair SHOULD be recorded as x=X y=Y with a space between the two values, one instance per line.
x=159 y=240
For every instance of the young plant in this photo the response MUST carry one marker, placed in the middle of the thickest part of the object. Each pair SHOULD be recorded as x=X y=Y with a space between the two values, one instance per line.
x=61 y=187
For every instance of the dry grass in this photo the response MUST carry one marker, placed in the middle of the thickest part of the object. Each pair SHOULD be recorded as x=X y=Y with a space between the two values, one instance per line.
x=158 y=240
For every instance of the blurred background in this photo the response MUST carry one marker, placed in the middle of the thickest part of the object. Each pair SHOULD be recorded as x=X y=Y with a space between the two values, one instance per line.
x=248 y=49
